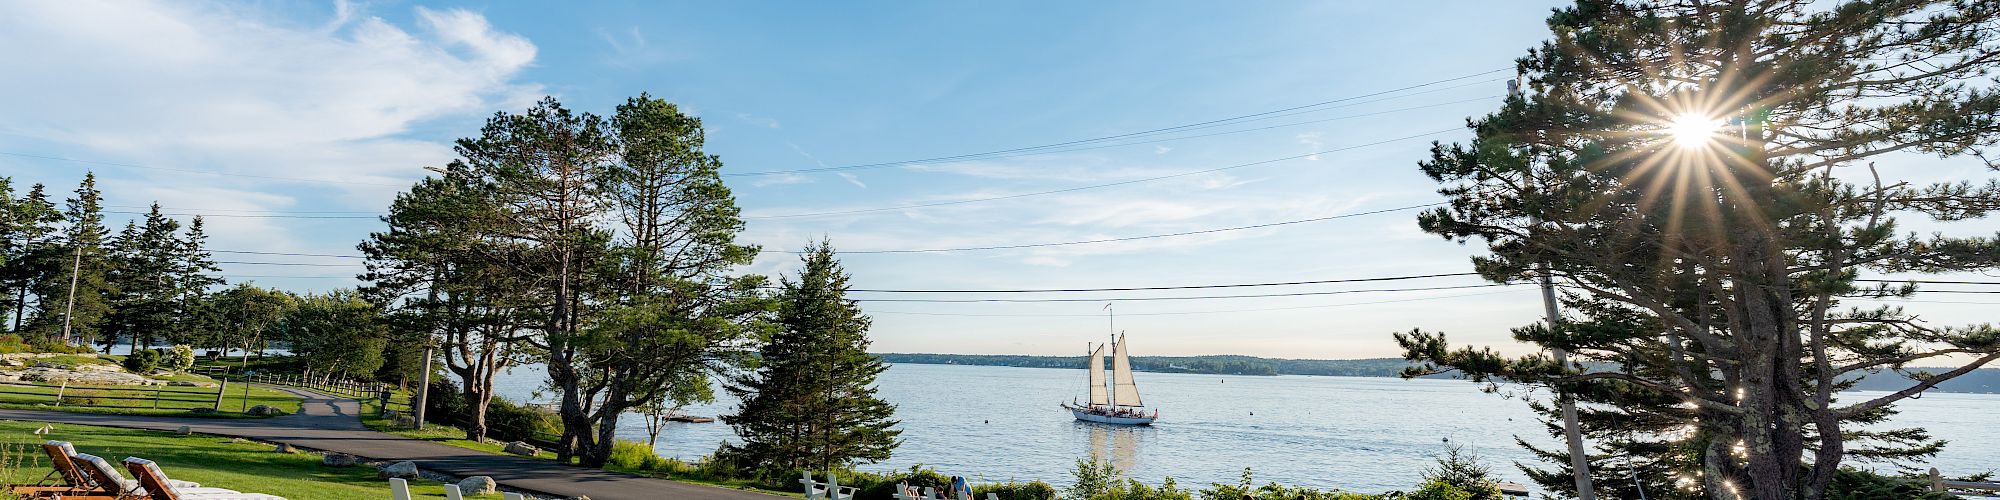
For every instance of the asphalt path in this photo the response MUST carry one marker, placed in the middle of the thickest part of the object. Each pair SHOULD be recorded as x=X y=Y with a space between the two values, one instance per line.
x=331 y=423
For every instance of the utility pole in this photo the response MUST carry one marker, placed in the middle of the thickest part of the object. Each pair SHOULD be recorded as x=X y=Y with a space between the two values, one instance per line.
x=1579 y=458
x=423 y=384
x=70 y=310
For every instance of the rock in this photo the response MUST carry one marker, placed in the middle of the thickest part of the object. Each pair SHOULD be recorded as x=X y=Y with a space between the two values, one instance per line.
x=339 y=460
x=477 y=485
x=183 y=430
x=284 y=448
x=522 y=449
x=406 y=422
x=390 y=414
x=238 y=441
x=264 y=411
x=404 y=469
x=87 y=376
x=189 y=383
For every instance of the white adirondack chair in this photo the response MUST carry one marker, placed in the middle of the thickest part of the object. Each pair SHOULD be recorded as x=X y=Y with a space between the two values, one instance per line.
x=830 y=491
x=451 y=492
x=512 y=496
x=399 y=489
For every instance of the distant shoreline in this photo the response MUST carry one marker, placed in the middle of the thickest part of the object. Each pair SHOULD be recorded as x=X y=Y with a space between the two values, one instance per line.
x=1982 y=381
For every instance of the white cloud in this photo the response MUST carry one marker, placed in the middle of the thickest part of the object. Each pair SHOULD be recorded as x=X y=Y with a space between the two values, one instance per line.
x=852 y=179
x=1160 y=150
x=761 y=121
x=252 y=95
x=1311 y=140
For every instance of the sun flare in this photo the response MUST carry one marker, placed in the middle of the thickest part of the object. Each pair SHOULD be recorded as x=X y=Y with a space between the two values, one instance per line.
x=1693 y=130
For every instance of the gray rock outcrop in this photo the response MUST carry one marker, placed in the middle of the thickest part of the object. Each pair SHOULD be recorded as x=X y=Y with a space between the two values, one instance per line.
x=404 y=469
x=478 y=485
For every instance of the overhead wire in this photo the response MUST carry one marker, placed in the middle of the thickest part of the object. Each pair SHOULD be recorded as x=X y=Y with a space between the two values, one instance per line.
x=1114 y=136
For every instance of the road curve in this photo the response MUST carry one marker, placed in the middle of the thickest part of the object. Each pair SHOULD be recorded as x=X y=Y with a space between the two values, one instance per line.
x=332 y=423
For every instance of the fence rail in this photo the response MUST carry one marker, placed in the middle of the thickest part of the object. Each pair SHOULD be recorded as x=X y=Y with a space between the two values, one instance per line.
x=377 y=391
x=102 y=396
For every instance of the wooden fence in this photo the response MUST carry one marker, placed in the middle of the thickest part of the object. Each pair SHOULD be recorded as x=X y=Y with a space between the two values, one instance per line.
x=375 y=391
x=94 y=396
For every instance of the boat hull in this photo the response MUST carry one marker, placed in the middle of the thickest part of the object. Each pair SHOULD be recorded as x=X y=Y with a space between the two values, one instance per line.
x=1085 y=414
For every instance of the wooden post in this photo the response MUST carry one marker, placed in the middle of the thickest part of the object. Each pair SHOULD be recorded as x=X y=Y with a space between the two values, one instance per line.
x=219 y=391
x=1937 y=481
x=156 y=399
x=246 y=397
x=60 y=391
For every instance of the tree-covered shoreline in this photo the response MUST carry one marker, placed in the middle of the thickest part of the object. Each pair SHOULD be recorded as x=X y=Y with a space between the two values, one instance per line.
x=1984 y=381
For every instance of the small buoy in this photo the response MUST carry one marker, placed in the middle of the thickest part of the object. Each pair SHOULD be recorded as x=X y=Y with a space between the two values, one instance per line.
x=1253 y=413
x=1447 y=440
x=986 y=421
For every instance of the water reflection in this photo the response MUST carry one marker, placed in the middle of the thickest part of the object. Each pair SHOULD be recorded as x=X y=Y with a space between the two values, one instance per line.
x=1116 y=444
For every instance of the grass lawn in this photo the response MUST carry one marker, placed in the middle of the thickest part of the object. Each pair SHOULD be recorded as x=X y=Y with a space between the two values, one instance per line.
x=173 y=400
x=454 y=436
x=209 y=460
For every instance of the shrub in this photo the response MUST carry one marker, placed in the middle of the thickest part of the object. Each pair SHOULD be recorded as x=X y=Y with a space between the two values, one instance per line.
x=871 y=485
x=631 y=455
x=178 y=358
x=142 y=361
x=1032 y=490
x=508 y=421
x=1462 y=470
x=1094 y=478
x=1851 y=484
x=1438 y=490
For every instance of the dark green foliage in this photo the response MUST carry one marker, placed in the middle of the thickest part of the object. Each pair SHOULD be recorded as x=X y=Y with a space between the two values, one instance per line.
x=81 y=247
x=1852 y=484
x=1712 y=285
x=505 y=420
x=337 y=334
x=142 y=361
x=810 y=404
x=1011 y=490
x=1461 y=469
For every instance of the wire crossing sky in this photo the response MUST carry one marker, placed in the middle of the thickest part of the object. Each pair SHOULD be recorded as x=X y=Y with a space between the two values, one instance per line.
x=1131 y=150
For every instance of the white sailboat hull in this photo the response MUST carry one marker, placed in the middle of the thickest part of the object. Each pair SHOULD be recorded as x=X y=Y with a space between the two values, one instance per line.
x=1089 y=415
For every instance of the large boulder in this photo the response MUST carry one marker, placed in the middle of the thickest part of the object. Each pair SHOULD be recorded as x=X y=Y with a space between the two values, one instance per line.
x=404 y=469
x=406 y=422
x=339 y=460
x=522 y=449
x=478 y=485
x=184 y=430
x=89 y=376
x=264 y=411
x=284 y=448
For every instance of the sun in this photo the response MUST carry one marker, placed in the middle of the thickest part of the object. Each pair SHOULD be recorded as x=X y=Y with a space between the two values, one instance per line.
x=1693 y=130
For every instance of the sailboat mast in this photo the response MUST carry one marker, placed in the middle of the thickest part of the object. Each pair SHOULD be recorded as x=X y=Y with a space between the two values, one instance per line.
x=1111 y=315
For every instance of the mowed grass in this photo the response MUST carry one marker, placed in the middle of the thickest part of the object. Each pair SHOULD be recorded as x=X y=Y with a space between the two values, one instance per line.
x=135 y=400
x=209 y=460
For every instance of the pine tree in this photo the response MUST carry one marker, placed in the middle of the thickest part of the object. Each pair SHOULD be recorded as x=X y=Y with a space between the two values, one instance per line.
x=83 y=251
x=145 y=282
x=1698 y=176
x=194 y=274
x=810 y=404
x=30 y=250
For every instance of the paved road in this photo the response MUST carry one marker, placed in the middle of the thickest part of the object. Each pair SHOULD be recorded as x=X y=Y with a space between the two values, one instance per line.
x=333 y=424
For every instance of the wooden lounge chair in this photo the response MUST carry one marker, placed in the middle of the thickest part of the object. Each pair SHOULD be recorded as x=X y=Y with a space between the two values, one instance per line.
x=73 y=481
x=157 y=487
x=110 y=482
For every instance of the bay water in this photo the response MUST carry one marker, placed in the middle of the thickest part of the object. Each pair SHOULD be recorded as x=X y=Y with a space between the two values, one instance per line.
x=1362 y=434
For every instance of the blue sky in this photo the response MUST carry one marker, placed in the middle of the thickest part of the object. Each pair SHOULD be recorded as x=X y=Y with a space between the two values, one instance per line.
x=211 y=108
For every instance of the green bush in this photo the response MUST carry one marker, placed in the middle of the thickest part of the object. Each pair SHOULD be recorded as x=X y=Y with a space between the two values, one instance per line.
x=142 y=361
x=631 y=455
x=178 y=358
x=1851 y=484
x=1438 y=490
x=1032 y=490
x=508 y=421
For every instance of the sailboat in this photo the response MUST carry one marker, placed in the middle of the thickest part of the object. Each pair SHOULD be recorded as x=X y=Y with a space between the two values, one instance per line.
x=1115 y=403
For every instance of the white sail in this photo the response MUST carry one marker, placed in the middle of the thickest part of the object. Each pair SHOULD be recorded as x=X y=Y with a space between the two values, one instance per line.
x=1124 y=390
x=1096 y=367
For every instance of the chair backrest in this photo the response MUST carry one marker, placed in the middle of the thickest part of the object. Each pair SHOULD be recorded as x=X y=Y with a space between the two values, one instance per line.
x=399 y=489
x=59 y=457
x=152 y=479
x=511 y=496
x=451 y=492
x=101 y=473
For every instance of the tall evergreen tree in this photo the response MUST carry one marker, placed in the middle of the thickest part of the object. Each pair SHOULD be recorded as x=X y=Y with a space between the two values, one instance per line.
x=1699 y=177
x=194 y=275
x=145 y=282
x=73 y=293
x=810 y=404
x=30 y=251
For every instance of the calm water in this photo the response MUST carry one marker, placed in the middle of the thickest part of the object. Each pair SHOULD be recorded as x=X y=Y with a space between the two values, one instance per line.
x=1359 y=434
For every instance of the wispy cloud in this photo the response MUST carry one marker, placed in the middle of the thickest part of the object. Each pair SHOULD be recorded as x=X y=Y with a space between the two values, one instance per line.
x=852 y=179
x=631 y=50
x=761 y=121
x=1311 y=140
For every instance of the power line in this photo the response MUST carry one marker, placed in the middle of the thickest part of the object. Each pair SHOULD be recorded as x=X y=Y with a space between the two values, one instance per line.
x=192 y=171
x=1110 y=137
x=1180 y=287
x=1128 y=238
x=1098 y=186
x=1178 y=313
x=288 y=254
x=283 y=263
x=1195 y=297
